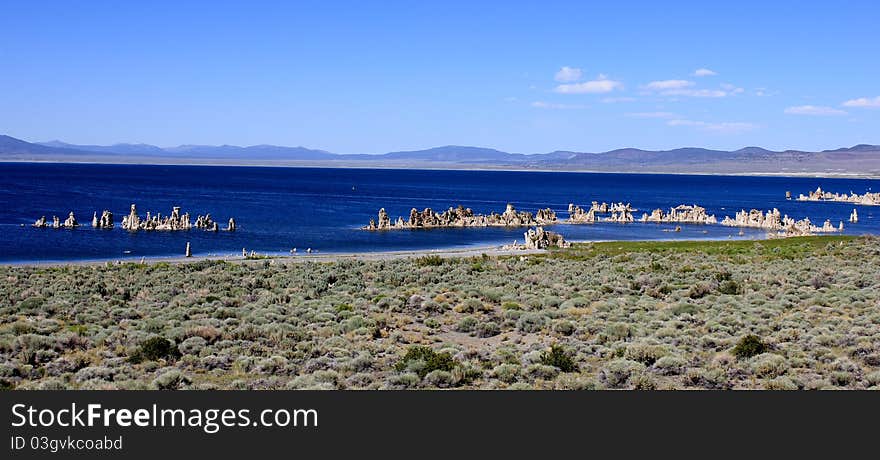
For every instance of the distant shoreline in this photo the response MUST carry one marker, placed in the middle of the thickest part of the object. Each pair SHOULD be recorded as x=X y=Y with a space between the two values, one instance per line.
x=451 y=167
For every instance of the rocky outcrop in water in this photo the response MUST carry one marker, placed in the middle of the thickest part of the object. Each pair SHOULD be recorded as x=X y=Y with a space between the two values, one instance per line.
x=577 y=215
x=620 y=213
x=175 y=221
x=779 y=225
x=105 y=221
x=230 y=227
x=868 y=199
x=686 y=214
x=71 y=221
x=462 y=217
x=854 y=217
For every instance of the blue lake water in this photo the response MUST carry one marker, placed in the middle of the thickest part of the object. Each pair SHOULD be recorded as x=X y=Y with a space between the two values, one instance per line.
x=281 y=208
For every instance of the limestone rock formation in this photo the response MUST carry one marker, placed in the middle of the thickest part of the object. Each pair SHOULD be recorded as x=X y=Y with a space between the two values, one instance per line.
x=230 y=227
x=576 y=214
x=462 y=217
x=681 y=214
x=105 y=221
x=854 y=217
x=777 y=224
x=620 y=213
x=539 y=238
x=868 y=199
x=176 y=221
x=71 y=221
x=40 y=223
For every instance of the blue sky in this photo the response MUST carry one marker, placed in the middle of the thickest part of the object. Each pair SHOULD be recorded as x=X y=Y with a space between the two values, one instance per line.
x=370 y=77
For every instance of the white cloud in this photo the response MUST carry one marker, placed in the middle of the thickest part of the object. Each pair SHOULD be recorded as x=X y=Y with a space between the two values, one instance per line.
x=685 y=88
x=568 y=74
x=704 y=73
x=664 y=85
x=690 y=92
x=732 y=89
x=814 y=110
x=715 y=127
x=601 y=85
x=863 y=102
x=613 y=100
x=551 y=105
x=651 y=115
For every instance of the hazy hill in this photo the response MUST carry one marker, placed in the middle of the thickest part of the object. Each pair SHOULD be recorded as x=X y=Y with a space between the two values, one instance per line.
x=862 y=159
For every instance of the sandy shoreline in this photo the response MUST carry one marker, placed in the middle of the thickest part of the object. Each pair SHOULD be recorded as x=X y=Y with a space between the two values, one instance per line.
x=300 y=257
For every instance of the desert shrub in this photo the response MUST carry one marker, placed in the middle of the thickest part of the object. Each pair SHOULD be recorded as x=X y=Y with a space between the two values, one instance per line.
x=711 y=378
x=618 y=372
x=406 y=380
x=30 y=304
x=769 y=365
x=873 y=378
x=531 y=322
x=841 y=378
x=192 y=346
x=541 y=371
x=685 y=309
x=618 y=331
x=507 y=373
x=438 y=378
x=429 y=261
x=467 y=324
x=749 y=346
x=646 y=354
x=729 y=287
x=171 y=379
x=559 y=358
x=153 y=349
x=423 y=360
x=488 y=329
x=670 y=365
x=643 y=381
x=781 y=383
x=577 y=382
x=699 y=290
x=564 y=327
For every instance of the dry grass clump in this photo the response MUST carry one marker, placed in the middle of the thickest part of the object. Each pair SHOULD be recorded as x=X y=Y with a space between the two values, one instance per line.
x=789 y=314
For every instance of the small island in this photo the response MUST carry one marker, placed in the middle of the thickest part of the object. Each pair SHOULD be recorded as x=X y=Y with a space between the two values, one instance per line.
x=868 y=199
x=462 y=217
x=779 y=225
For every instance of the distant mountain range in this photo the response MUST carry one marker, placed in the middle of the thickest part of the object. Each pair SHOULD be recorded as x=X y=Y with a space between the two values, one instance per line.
x=862 y=159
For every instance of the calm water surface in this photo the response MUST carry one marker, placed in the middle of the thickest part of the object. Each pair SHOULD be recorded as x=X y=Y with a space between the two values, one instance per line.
x=281 y=208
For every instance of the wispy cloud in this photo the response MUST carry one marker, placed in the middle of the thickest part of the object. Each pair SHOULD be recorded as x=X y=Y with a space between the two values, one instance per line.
x=814 y=110
x=704 y=72
x=665 y=85
x=686 y=88
x=863 y=102
x=568 y=74
x=692 y=92
x=651 y=115
x=614 y=100
x=731 y=89
x=601 y=84
x=551 y=105
x=715 y=127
